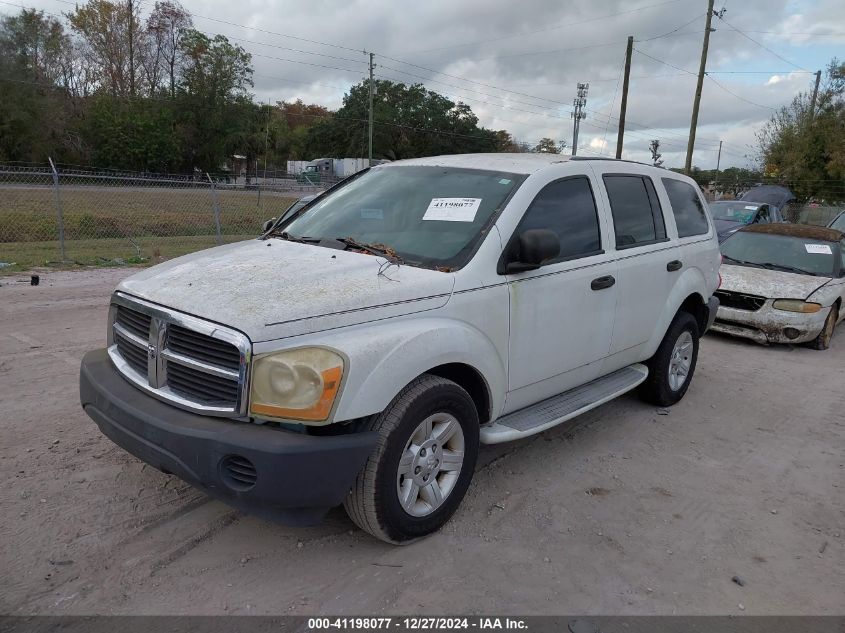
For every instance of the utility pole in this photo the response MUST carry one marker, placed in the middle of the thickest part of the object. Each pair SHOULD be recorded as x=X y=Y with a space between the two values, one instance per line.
x=266 y=138
x=624 y=106
x=370 y=153
x=578 y=114
x=131 y=8
x=815 y=95
x=701 y=71
x=716 y=177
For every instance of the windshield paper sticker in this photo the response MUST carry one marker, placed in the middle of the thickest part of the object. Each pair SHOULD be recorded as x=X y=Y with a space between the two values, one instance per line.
x=818 y=249
x=452 y=209
x=750 y=208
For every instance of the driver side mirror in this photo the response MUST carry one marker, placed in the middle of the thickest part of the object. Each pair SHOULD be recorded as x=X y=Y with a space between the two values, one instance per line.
x=268 y=225
x=536 y=247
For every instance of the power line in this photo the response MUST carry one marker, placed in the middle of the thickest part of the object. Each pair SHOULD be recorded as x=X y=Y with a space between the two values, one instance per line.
x=748 y=37
x=741 y=98
x=675 y=30
x=551 y=28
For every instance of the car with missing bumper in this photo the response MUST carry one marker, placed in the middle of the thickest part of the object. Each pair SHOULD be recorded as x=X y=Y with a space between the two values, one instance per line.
x=782 y=283
x=361 y=350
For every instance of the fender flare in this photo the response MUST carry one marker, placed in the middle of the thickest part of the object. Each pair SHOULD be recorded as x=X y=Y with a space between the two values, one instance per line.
x=389 y=356
x=689 y=283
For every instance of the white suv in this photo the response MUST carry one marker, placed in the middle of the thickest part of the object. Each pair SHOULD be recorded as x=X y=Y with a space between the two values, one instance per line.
x=360 y=351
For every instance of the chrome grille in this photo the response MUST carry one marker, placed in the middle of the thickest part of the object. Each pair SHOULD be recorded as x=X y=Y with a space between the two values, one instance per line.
x=192 y=363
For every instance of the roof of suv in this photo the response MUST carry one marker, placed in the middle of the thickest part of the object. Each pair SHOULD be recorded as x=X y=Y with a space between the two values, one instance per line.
x=518 y=163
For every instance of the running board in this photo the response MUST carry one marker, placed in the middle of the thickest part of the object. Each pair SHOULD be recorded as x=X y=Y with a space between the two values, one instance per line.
x=563 y=407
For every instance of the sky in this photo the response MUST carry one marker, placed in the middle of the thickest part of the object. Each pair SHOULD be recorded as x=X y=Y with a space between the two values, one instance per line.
x=517 y=63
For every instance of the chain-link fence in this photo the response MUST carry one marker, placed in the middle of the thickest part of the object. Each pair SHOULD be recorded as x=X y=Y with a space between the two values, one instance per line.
x=52 y=216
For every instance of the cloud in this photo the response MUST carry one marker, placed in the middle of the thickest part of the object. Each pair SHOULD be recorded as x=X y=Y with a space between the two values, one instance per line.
x=518 y=69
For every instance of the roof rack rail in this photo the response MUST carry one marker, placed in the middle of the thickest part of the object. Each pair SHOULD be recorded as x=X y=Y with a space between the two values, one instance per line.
x=617 y=160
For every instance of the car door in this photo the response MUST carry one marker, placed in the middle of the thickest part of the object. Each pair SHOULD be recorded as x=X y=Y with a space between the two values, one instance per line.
x=649 y=262
x=561 y=314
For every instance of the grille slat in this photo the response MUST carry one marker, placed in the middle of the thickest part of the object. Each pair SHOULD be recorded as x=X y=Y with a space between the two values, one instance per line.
x=203 y=347
x=135 y=322
x=740 y=301
x=132 y=354
x=196 y=384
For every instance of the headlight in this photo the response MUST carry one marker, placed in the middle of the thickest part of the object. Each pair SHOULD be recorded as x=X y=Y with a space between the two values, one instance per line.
x=299 y=384
x=796 y=305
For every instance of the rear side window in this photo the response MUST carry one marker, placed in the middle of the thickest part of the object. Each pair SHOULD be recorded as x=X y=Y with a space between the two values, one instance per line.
x=637 y=218
x=566 y=207
x=687 y=208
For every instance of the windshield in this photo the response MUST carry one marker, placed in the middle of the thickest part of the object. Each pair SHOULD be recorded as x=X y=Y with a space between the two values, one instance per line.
x=781 y=252
x=431 y=216
x=734 y=211
x=839 y=223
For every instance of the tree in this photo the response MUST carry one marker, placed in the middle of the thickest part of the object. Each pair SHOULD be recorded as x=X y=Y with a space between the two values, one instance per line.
x=111 y=42
x=217 y=116
x=804 y=149
x=549 y=146
x=163 y=55
x=654 y=148
x=34 y=53
x=409 y=120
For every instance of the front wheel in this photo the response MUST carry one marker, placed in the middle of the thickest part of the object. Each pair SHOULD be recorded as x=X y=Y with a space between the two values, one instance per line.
x=423 y=463
x=671 y=368
x=822 y=341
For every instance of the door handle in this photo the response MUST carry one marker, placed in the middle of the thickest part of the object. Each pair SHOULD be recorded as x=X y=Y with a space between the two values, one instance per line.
x=674 y=265
x=600 y=283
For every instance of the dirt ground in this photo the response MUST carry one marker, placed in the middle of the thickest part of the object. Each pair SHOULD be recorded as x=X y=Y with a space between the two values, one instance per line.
x=626 y=511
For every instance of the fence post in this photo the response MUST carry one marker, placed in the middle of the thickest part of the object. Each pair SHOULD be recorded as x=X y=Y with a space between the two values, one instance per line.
x=59 y=216
x=216 y=202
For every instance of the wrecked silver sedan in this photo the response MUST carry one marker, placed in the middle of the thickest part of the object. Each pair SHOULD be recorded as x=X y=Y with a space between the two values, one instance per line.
x=782 y=283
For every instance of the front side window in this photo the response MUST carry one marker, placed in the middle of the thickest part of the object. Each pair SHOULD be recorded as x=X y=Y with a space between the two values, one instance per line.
x=429 y=216
x=566 y=207
x=687 y=208
x=637 y=218
x=763 y=216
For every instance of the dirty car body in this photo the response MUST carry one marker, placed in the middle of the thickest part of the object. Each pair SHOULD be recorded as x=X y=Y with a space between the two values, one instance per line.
x=367 y=344
x=780 y=283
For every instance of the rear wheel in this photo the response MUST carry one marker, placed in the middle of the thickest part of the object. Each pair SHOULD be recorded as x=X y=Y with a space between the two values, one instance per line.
x=421 y=469
x=822 y=341
x=671 y=368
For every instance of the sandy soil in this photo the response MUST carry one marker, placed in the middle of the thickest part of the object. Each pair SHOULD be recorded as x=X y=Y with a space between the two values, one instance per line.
x=626 y=511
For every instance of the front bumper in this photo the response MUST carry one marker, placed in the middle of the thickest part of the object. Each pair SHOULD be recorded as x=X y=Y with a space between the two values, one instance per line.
x=768 y=325
x=296 y=478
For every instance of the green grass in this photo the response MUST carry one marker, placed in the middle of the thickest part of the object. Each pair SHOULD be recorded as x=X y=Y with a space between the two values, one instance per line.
x=102 y=224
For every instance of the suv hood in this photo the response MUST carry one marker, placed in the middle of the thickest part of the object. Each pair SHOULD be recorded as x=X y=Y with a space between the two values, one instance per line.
x=271 y=289
x=772 y=284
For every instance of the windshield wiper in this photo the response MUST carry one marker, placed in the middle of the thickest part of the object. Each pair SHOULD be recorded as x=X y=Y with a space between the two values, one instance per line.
x=785 y=268
x=740 y=261
x=375 y=249
x=294 y=238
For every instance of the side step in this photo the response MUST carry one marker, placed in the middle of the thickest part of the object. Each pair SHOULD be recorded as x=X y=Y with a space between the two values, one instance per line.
x=562 y=407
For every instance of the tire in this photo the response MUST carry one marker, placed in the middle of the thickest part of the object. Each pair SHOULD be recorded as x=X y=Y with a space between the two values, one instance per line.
x=822 y=341
x=374 y=503
x=659 y=388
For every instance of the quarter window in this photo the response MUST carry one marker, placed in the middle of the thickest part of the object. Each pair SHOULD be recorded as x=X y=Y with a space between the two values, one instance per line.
x=637 y=218
x=688 y=209
x=566 y=207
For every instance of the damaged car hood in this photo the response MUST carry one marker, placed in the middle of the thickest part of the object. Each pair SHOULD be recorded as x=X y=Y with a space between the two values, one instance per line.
x=272 y=289
x=772 y=284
